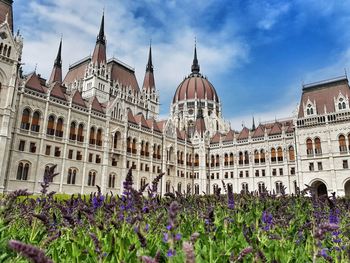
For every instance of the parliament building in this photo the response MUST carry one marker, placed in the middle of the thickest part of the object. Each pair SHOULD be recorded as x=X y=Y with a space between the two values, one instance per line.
x=96 y=122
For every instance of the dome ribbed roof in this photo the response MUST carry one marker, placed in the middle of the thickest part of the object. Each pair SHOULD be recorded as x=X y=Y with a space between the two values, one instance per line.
x=195 y=86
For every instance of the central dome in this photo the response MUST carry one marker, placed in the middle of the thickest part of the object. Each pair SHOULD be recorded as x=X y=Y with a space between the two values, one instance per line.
x=195 y=86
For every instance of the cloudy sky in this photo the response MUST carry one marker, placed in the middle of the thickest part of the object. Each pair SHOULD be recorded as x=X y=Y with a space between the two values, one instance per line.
x=257 y=54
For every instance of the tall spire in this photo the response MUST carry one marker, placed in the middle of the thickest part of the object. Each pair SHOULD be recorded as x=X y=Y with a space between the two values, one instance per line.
x=253 y=125
x=99 y=54
x=148 y=81
x=56 y=74
x=101 y=34
x=149 y=67
x=195 y=65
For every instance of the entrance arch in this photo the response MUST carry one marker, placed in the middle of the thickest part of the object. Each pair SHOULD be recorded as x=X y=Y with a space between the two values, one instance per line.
x=321 y=188
x=347 y=188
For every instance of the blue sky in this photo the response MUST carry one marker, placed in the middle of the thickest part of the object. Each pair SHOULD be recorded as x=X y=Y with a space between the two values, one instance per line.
x=257 y=54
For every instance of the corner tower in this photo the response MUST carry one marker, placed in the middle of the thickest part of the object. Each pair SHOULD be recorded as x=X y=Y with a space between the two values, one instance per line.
x=96 y=81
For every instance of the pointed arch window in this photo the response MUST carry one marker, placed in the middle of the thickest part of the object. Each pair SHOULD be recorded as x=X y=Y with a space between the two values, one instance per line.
x=134 y=150
x=212 y=158
x=280 y=154
x=158 y=153
x=25 y=123
x=9 y=52
x=279 y=187
x=147 y=149
x=318 y=148
x=80 y=137
x=36 y=121
x=59 y=128
x=196 y=160
x=246 y=157
x=91 y=178
x=262 y=156
x=71 y=177
x=261 y=187
x=167 y=186
x=128 y=145
x=196 y=189
x=240 y=158
x=92 y=139
x=342 y=144
x=72 y=131
x=231 y=159
x=309 y=147
x=341 y=104
x=245 y=189
x=226 y=159
x=291 y=153
x=51 y=125
x=142 y=148
x=179 y=187
x=111 y=181
x=273 y=155
x=22 y=171
x=256 y=156
x=115 y=140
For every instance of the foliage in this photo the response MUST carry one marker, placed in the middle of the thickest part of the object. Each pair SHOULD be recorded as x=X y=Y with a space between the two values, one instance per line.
x=139 y=226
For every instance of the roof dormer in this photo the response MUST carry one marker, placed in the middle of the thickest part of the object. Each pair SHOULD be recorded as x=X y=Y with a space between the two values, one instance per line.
x=310 y=108
x=341 y=102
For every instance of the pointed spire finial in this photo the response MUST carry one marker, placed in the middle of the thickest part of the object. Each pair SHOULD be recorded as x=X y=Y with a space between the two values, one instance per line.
x=101 y=34
x=58 y=60
x=149 y=67
x=253 y=125
x=195 y=66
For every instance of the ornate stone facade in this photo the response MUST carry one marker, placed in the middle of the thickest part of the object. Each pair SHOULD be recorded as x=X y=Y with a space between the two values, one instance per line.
x=96 y=123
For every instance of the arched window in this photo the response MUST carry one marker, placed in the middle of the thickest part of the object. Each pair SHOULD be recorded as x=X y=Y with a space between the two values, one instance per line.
x=246 y=157
x=167 y=186
x=309 y=147
x=226 y=159
x=273 y=155
x=262 y=156
x=280 y=154
x=181 y=157
x=72 y=172
x=23 y=171
x=91 y=178
x=5 y=50
x=143 y=182
x=80 y=137
x=291 y=153
x=215 y=188
x=318 y=149
x=36 y=122
x=179 y=187
x=279 y=187
x=147 y=149
x=111 y=181
x=217 y=160
x=212 y=163
x=134 y=150
x=99 y=137
x=261 y=187
x=72 y=132
x=256 y=156
x=59 y=127
x=51 y=125
x=158 y=153
x=25 y=123
x=196 y=160
x=115 y=140
x=342 y=143
x=196 y=189
x=1 y=47
x=128 y=144
x=231 y=159
x=142 y=148
x=190 y=159
x=240 y=158
x=92 y=139
x=245 y=189
x=9 y=52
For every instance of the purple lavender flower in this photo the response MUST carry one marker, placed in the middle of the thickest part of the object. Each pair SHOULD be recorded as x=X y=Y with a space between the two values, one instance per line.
x=178 y=236
x=171 y=253
x=30 y=252
x=230 y=197
x=165 y=237
x=267 y=220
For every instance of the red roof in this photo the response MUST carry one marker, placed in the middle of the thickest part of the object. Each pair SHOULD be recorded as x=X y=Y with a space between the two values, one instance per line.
x=148 y=82
x=78 y=99
x=95 y=105
x=244 y=134
x=259 y=131
x=161 y=124
x=215 y=138
x=57 y=91
x=124 y=75
x=276 y=129
x=323 y=94
x=131 y=117
x=229 y=136
x=34 y=83
x=200 y=126
x=195 y=86
x=76 y=72
x=99 y=54
x=139 y=118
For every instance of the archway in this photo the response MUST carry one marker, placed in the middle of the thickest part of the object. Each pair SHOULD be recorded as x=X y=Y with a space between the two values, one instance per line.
x=347 y=188
x=321 y=188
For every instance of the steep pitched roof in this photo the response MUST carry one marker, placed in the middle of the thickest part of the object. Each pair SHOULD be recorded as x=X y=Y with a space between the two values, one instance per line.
x=200 y=126
x=34 y=82
x=259 y=131
x=244 y=134
x=180 y=134
x=76 y=71
x=57 y=91
x=161 y=124
x=290 y=128
x=276 y=128
x=139 y=118
x=123 y=74
x=323 y=93
x=229 y=136
x=95 y=105
x=78 y=99
x=215 y=138
x=131 y=117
